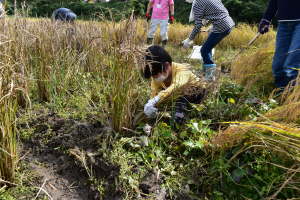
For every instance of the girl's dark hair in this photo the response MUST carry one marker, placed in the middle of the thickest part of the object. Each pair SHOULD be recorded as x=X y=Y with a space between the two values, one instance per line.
x=157 y=58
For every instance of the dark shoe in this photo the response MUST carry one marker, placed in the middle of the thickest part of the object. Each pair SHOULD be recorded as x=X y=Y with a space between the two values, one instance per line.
x=150 y=41
x=164 y=43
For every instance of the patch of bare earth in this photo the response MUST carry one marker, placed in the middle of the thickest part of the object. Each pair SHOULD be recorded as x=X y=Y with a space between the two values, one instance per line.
x=64 y=154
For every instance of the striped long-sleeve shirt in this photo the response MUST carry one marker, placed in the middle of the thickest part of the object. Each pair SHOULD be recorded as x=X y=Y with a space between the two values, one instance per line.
x=212 y=10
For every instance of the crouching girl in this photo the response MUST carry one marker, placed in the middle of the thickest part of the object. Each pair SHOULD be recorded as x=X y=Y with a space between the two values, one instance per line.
x=167 y=79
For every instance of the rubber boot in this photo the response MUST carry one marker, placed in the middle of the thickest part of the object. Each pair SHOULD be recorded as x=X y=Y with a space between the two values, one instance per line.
x=211 y=75
x=203 y=68
x=150 y=41
x=164 y=43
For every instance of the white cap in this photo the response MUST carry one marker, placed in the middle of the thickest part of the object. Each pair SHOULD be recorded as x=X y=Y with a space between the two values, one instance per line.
x=189 y=1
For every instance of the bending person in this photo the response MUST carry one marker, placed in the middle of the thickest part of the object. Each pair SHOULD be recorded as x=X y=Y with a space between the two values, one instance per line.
x=166 y=78
x=214 y=11
x=287 y=55
x=64 y=14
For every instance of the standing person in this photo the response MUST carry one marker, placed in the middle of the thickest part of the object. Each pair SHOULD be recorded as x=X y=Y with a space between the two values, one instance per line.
x=160 y=15
x=64 y=14
x=214 y=11
x=286 y=59
x=168 y=77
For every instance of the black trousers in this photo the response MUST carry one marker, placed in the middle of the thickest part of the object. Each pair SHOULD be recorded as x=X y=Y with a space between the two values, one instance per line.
x=179 y=112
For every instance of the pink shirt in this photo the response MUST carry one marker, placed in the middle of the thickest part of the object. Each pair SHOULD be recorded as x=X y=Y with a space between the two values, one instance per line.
x=163 y=11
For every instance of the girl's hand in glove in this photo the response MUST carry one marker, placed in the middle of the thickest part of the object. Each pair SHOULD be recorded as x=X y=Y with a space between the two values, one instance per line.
x=149 y=108
x=187 y=43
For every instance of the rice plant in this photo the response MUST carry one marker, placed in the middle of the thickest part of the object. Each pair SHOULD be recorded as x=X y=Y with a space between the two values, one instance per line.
x=253 y=68
x=8 y=131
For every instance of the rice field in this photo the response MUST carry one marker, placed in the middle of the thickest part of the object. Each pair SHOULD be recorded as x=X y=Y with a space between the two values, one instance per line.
x=69 y=94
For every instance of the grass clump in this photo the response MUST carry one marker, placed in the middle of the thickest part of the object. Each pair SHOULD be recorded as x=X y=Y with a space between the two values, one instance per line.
x=8 y=131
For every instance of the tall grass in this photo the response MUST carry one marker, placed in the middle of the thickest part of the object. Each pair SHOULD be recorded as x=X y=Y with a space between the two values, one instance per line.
x=253 y=67
x=8 y=131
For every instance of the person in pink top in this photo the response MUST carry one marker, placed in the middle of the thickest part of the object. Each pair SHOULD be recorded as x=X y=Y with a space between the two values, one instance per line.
x=160 y=15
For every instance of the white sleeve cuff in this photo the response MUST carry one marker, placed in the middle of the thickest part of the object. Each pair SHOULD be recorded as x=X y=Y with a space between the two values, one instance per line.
x=156 y=98
x=267 y=21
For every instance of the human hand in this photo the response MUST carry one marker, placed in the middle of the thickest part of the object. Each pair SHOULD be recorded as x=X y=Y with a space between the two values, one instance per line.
x=147 y=16
x=209 y=30
x=149 y=108
x=172 y=19
x=187 y=43
x=264 y=27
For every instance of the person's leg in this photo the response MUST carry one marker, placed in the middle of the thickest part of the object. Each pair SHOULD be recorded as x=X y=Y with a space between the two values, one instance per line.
x=292 y=62
x=164 y=27
x=178 y=114
x=212 y=40
x=206 y=53
x=282 y=45
x=181 y=107
x=152 y=29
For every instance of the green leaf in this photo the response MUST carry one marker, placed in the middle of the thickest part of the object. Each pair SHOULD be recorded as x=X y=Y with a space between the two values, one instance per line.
x=196 y=126
x=183 y=134
x=152 y=156
x=166 y=133
x=237 y=175
x=189 y=143
x=134 y=145
x=199 y=144
x=190 y=182
x=185 y=153
x=144 y=141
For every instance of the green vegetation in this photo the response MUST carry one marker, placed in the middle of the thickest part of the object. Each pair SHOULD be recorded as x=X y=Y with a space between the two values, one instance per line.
x=8 y=131
x=239 y=143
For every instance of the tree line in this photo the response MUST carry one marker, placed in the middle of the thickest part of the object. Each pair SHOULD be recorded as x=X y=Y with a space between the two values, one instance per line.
x=250 y=11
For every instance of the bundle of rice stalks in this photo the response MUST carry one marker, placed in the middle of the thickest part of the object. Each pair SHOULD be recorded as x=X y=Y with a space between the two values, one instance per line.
x=8 y=143
x=254 y=68
x=124 y=61
x=289 y=111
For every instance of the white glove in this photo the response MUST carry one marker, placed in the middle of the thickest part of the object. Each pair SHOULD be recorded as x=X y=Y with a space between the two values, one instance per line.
x=149 y=108
x=187 y=43
x=209 y=30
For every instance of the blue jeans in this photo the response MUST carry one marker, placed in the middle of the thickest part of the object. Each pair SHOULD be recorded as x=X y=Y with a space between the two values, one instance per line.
x=212 y=40
x=287 y=53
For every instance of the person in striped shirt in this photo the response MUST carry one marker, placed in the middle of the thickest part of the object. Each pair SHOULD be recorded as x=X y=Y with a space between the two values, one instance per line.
x=214 y=11
x=286 y=61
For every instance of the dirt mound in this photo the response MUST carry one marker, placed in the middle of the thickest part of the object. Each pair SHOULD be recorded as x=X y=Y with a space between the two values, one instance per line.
x=63 y=153
x=151 y=184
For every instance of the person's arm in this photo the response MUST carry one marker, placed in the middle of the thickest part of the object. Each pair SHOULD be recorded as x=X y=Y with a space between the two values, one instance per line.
x=149 y=6
x=155 y=89
x=172 y=9
x=181 y=78
x=199 y=13
x=271 y=11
